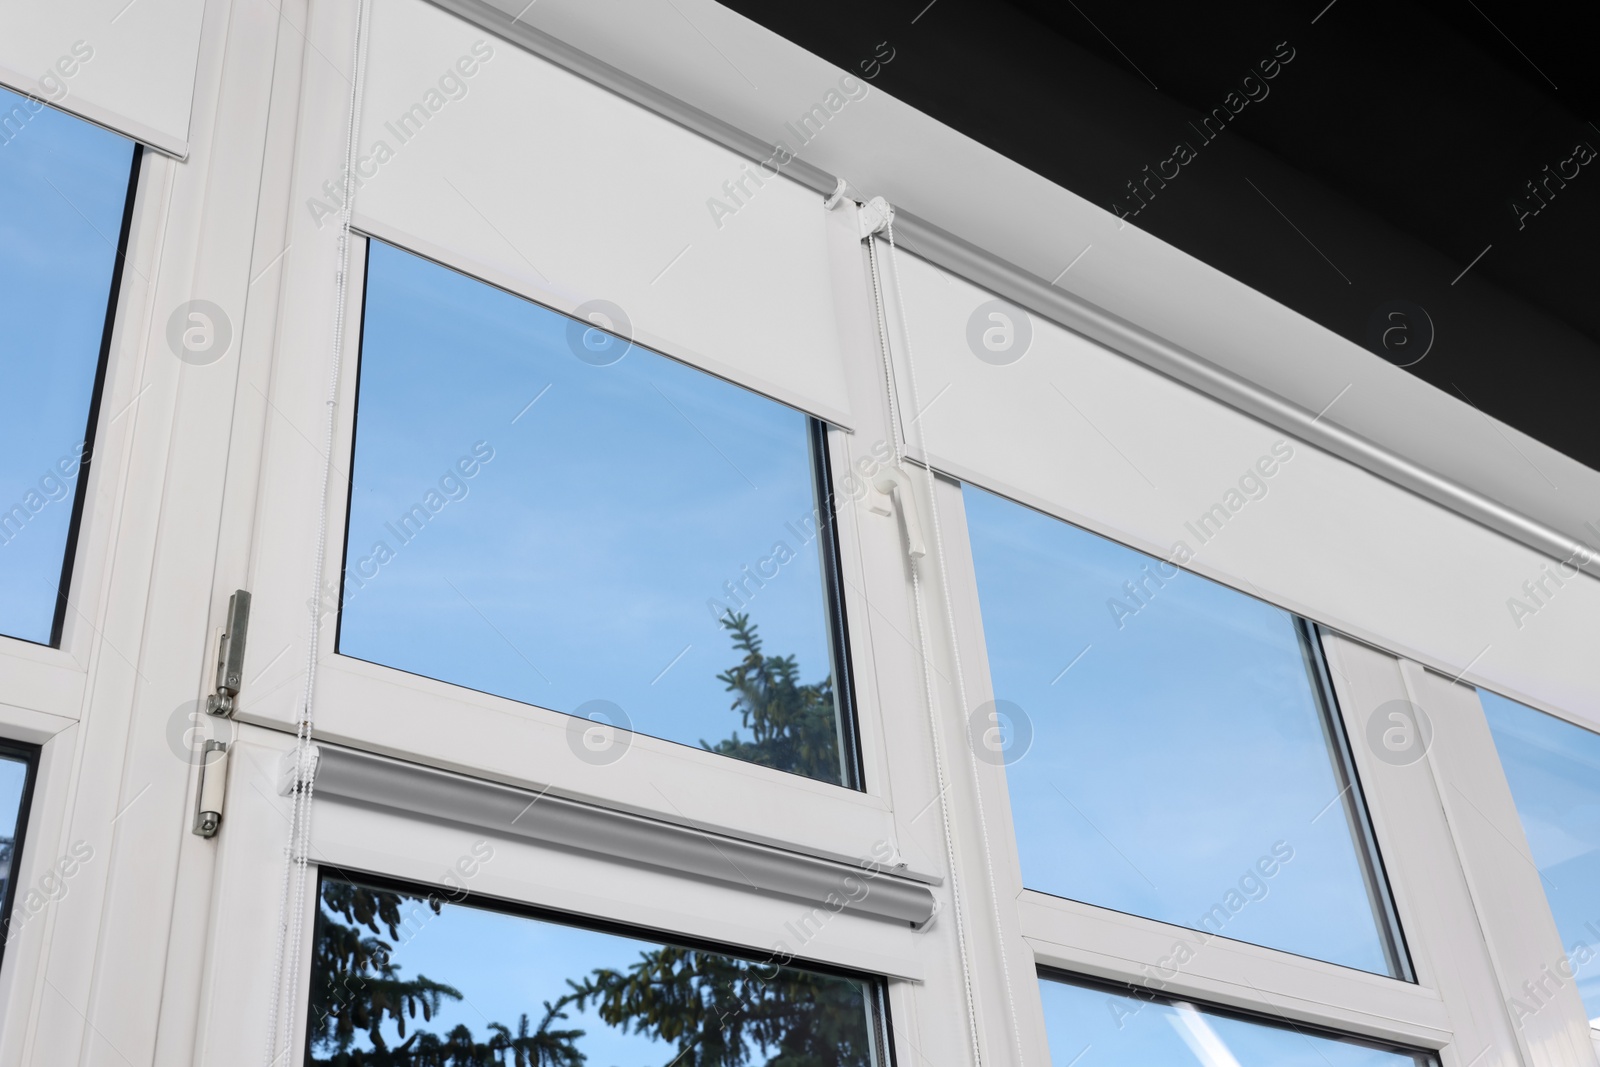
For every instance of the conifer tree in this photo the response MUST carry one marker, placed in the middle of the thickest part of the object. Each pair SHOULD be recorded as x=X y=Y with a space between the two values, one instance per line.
x=793 y=726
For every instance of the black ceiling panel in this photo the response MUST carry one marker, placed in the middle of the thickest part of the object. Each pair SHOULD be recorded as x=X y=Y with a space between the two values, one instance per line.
x=1420 y=177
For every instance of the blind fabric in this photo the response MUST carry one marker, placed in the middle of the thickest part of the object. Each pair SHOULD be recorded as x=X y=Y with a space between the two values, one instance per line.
x=1029 y=409
x=501 y=164
x=129 y=67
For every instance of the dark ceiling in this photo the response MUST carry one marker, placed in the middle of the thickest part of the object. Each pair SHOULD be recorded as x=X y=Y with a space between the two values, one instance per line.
x=1376 y=182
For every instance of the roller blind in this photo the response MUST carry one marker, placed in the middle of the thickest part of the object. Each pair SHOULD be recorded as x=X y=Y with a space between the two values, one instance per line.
x=497 y=162
x=130 y=67
x=1025 y=407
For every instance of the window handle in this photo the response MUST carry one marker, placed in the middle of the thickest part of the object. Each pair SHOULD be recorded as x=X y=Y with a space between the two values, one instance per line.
x=895 y=483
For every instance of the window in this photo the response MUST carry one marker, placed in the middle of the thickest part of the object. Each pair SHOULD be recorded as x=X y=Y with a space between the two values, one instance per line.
x=1104 y=1026
x=16 y=790
x=1553 y=768
x=68 y=186
x=541 y=510
x=401 y=977
x=1170 y=745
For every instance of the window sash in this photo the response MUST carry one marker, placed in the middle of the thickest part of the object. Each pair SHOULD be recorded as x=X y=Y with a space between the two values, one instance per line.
x=433 y=722
x=1051 y=932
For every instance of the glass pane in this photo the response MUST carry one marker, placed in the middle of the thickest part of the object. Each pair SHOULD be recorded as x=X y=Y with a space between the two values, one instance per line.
x=398 y=978
x=64 y=184
x=13 y=784
x=1093 y=1027
x=1180 y=765
x=1553 y=767
x=542 y=512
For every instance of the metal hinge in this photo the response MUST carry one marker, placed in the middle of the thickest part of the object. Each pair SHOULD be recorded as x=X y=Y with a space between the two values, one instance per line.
x=230 y=655
x=213 y=783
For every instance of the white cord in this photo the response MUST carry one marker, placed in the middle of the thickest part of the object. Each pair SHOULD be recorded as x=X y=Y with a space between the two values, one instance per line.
x=927 y=677
x=292 y=903
x=955 y=642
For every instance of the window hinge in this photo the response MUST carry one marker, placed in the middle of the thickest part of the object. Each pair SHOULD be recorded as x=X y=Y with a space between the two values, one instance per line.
x=230 y=655
x=213 y=783
x=894 y=494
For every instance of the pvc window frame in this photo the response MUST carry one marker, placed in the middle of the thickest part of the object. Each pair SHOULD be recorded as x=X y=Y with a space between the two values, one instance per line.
x=1071 y=937
x=28 y=755
x=385 y=710
x=1048 y=974
x=825 y=501
x=46 y=686
x=355 y=839
x=1474 y=925
x=43 y=842
x=1463 y=919
x=42 y=673
x=1457 y=1008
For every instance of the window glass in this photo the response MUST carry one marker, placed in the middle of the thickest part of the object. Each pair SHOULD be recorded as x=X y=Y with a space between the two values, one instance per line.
x=1553 y=768
x=1166 y=745
x=401 y=978
x=1090 y=1026
x=65 y=184
x=15 y=772
x=540 y=510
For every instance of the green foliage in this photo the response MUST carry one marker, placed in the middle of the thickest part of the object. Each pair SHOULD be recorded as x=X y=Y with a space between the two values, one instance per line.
x=356 y=989
x=793 y=726
x=719 y=1011
x=362 y=989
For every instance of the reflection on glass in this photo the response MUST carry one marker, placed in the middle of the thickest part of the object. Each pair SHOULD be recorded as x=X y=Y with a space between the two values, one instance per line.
x=404 y=980
x=540 y=511
x=1181 y=765
x=64 y=184
x=14 y=914
x=1093 y=1027
x=1553 y=768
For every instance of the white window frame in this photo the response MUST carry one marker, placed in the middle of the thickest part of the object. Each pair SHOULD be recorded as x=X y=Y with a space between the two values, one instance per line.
x=1447 y=881
x=44 y=690
x=101 y=669
x=391 y=711
x=51 y=680
x=1442 y=883
x=361 y=838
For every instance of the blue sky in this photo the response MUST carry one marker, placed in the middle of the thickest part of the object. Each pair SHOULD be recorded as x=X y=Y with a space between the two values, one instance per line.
x=13 y=775
x=1083 y=1026
x=507 y=965
x=64 y=183
x=1553 y=768
x=580 y=562
x=1175 y=754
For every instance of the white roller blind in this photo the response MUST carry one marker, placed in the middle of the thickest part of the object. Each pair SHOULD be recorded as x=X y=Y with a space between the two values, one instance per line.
x=499 y=163
x=1090 y=436
x=130 y=67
